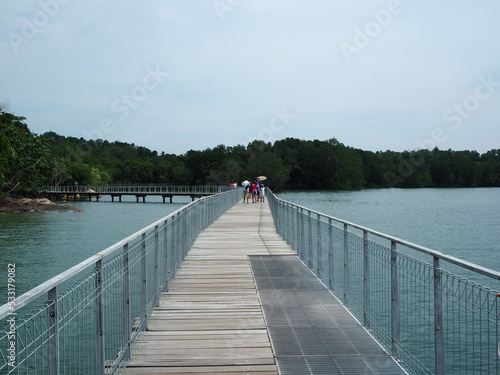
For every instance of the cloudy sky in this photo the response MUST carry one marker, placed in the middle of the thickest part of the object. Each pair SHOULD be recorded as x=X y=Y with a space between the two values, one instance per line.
x=175 y=75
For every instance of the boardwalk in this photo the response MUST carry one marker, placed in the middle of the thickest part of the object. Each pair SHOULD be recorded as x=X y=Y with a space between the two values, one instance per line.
x=212 y=320
x=139 y=191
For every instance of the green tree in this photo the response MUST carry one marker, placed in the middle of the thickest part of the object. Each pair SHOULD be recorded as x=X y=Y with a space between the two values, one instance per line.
x=269 y=165
x=229 y=171
x=181 y=174
x=490 y=168
x=23 y=156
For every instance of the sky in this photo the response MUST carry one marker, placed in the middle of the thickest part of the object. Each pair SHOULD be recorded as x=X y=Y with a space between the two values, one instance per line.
x=179 y=75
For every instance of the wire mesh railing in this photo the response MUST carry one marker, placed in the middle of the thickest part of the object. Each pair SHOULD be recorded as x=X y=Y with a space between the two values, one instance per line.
x=432 y=312
x=88 y=319
x=137 y=189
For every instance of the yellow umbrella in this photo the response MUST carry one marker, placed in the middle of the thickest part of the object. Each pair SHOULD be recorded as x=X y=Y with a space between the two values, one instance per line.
x=261 y=178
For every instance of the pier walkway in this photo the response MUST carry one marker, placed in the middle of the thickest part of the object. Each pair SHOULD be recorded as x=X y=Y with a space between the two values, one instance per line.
x=139 y=191
x=214 y=288
x=243 y=303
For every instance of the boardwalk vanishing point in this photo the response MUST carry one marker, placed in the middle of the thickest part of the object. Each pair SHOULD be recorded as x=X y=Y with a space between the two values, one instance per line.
x=243 y=303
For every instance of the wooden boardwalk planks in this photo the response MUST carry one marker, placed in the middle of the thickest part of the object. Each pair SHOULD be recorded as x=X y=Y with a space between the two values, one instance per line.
x=210 y=321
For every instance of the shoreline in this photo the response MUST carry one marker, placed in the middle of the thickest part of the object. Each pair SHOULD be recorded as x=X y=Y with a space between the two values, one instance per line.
x=18 y=205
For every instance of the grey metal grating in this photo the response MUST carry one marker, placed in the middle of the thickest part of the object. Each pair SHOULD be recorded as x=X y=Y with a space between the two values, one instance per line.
x=310 y=331
x=329 y=366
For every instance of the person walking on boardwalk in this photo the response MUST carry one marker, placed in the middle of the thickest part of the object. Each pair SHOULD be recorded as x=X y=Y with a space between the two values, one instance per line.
x=246 y=190
x=262 y=193
x=254 y=192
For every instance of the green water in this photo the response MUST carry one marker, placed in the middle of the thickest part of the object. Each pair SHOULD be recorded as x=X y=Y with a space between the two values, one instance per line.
x=43 y=245
x=461 y=222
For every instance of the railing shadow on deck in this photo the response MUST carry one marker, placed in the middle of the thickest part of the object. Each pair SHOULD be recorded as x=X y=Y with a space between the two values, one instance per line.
x=432 y=312
x=87 y=319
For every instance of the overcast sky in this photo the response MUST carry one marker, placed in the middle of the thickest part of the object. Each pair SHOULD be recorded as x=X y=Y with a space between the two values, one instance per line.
x=175 y=75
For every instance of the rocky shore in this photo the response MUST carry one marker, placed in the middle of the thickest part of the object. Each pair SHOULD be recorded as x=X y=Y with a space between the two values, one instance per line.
x=10 y=205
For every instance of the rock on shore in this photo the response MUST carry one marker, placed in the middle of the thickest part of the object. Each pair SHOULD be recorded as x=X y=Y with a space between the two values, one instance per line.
x=10 y=204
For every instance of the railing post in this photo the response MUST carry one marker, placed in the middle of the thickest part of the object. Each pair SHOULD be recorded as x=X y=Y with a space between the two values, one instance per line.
x=180 y=237
x=302 y=235
x=347 y=277
x=167 y=258
x=99 y=320
x=366 y=282
x=184 y=234
x=285 y=230
x=190 y=223
x=53 y=338
x=278 y=218
x=318 y=245
x=185 y=231
x=297 y=229
x=285 y=222
x=289 y=232
x=289 y=221
x=156 y=279
x=173 y=247
x=309 y=239
x=212 y=211
x=283 y=225
x=178 y=227
x=144 y=279
x=331 y=264
x=438 y=320
x=126 y=313
x=395 y=326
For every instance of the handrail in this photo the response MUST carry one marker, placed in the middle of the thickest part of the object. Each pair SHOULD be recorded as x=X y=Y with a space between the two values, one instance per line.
x=428 y=317
x=425 y=250
x=43 y=288
x=105 y=300
x=136 y=188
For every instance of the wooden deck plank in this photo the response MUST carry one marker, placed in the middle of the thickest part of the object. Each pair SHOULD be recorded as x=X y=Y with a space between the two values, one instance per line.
x=211 y=321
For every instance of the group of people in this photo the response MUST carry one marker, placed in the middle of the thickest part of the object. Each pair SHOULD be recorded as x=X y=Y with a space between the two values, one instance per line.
x=255 y=189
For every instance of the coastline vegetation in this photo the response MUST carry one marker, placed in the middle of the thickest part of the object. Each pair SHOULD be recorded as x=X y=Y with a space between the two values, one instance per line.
x=29 y=161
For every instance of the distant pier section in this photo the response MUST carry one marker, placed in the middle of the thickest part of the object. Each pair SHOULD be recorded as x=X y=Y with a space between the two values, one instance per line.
x=139 y=191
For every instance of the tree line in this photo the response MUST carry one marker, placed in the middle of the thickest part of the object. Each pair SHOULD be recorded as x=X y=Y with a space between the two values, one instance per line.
x=28 y=161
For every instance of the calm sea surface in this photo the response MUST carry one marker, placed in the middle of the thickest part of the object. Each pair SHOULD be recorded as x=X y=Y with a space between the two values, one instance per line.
x=43 y=245
x=462 y=222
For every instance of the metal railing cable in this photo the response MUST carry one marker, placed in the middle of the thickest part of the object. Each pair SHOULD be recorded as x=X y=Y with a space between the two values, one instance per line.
x=434 y=313
x=87 y=319
x=137 y=189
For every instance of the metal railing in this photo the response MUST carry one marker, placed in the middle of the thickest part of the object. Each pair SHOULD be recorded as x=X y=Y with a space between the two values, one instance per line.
x=138 y=189
x=432 y=312
x=87 y=319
